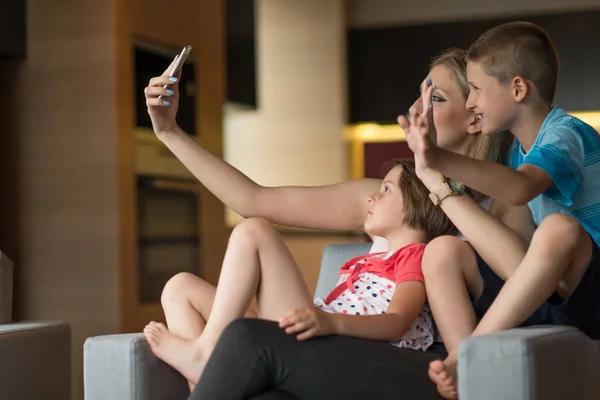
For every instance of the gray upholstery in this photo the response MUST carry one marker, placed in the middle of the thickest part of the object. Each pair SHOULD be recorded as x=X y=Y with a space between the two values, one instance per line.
x=540 y=363
x=334 y=256
x=6 y=289
x=549 y=363
x=123 y=367
x=35 y=361
x=35 y=357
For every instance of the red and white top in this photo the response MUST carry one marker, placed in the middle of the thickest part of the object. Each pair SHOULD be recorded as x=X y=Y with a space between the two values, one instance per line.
x=367 y=284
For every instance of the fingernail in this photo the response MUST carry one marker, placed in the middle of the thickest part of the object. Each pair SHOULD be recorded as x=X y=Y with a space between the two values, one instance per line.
x=166 y=103
x=173 y=79
x=175 y=58
x=434 y=87
x=169 y=91
x=430 y=106
x=429 y=80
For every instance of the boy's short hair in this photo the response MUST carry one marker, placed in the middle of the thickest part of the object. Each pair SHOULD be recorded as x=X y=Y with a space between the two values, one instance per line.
x=419 y=211
x=519 y=49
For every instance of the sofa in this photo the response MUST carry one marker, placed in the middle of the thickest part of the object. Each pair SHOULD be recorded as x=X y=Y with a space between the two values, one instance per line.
x=537 y=363
x=35 y=357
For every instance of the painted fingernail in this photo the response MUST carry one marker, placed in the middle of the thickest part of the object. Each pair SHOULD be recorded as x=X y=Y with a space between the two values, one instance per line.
x=169 y=91
x=434 y=87
x=166 y=103
x=173 y=79
x=430 y=106
x=429 y=80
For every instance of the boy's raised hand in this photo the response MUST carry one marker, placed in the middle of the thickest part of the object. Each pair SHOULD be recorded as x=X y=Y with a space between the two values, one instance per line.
x=164 y=110
x=308 y=322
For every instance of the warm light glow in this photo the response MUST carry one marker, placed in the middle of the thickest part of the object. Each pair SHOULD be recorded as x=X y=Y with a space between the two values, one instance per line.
x=360 y=134
x=372 y=132
x=591 y=118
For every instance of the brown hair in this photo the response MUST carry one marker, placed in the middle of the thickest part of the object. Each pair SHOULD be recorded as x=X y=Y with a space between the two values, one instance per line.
x=493 y=148
x=419 y=211
x=519 y=49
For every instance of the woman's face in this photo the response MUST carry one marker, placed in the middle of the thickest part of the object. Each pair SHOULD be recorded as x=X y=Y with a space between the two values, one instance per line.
x=452 y=119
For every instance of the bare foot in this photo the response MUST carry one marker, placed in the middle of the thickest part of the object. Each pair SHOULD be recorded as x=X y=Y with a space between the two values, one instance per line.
x=179 y=353
x=443 y=374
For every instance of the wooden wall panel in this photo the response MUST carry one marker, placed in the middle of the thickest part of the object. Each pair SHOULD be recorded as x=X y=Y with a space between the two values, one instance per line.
x=64 y=170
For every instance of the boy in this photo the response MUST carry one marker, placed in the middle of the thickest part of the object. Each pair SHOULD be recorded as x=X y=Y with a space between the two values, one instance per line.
x=555 y=167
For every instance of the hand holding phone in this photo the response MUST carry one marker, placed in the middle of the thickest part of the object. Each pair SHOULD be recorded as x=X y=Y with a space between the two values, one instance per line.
x=179 y=61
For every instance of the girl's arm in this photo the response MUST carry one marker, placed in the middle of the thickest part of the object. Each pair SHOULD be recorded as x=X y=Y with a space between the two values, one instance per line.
x=408 y=300
x=405 y=305
x=341 y=206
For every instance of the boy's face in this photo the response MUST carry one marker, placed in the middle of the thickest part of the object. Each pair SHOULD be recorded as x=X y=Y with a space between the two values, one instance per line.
x=386 y=206
x=489 y=100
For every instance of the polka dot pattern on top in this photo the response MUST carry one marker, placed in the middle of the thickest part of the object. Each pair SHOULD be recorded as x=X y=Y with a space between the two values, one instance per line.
x=371 y=296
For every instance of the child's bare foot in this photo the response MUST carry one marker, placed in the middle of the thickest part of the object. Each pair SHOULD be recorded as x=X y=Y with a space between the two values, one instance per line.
x=443 y=374
x=179 y=353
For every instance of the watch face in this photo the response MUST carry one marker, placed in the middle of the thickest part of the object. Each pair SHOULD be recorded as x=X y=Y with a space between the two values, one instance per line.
x=457 y=187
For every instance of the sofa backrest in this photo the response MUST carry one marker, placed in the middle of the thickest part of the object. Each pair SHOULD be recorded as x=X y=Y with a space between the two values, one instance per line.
x=334 y=256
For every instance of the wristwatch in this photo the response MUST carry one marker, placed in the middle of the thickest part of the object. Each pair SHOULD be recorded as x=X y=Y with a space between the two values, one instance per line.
x=449 y=187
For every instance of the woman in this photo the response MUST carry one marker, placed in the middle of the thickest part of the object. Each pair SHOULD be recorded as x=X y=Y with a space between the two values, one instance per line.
x=187 y=300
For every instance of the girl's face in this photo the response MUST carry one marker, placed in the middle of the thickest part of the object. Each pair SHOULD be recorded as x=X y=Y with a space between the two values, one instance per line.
x=386 y=206
x=455 y=124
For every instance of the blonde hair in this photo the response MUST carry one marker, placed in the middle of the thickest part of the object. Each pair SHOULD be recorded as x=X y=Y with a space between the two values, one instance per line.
x=485 y=147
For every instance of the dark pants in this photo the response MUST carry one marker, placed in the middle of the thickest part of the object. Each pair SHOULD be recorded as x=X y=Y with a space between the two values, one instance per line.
x=255 y=359
x=581 y=309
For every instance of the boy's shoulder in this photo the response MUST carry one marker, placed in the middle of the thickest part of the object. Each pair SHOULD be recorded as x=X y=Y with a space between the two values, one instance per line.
x=561 y=126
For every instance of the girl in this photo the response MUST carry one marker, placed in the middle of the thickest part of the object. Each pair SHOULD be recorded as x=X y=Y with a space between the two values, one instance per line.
x=379 y=296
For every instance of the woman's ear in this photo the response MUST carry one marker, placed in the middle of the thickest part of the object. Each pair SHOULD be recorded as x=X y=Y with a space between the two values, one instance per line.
x=474 y=125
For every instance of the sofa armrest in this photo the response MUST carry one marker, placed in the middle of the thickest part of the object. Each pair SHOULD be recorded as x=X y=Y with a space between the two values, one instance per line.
x=35 y=360
x=529 y=364
x=123 y=367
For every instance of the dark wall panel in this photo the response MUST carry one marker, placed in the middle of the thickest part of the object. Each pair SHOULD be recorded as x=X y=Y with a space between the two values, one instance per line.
x=386 y=65
x=12 y=29
x=240 y=27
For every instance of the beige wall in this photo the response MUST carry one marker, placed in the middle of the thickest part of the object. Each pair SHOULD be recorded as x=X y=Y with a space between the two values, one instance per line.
x=369 y=13
x=296 y=135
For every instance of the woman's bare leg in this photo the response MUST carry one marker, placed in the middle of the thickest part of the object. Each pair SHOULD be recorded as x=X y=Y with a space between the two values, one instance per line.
x=186 y=301
x=257 y=262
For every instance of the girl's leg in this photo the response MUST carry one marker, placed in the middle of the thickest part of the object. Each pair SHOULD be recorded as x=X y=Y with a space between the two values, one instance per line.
x=257 y=262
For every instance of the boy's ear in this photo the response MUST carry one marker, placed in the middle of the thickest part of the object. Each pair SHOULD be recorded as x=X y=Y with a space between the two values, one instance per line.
x=519 y=88
x=474 y=125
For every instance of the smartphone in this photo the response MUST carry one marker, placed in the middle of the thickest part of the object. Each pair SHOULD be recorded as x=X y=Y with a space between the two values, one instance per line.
x=185 y=52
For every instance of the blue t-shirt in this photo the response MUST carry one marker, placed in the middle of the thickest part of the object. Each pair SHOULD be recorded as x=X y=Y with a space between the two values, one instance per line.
x=568 y=150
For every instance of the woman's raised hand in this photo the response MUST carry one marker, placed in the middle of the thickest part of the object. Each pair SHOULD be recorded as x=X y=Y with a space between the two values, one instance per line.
x=163 y=110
